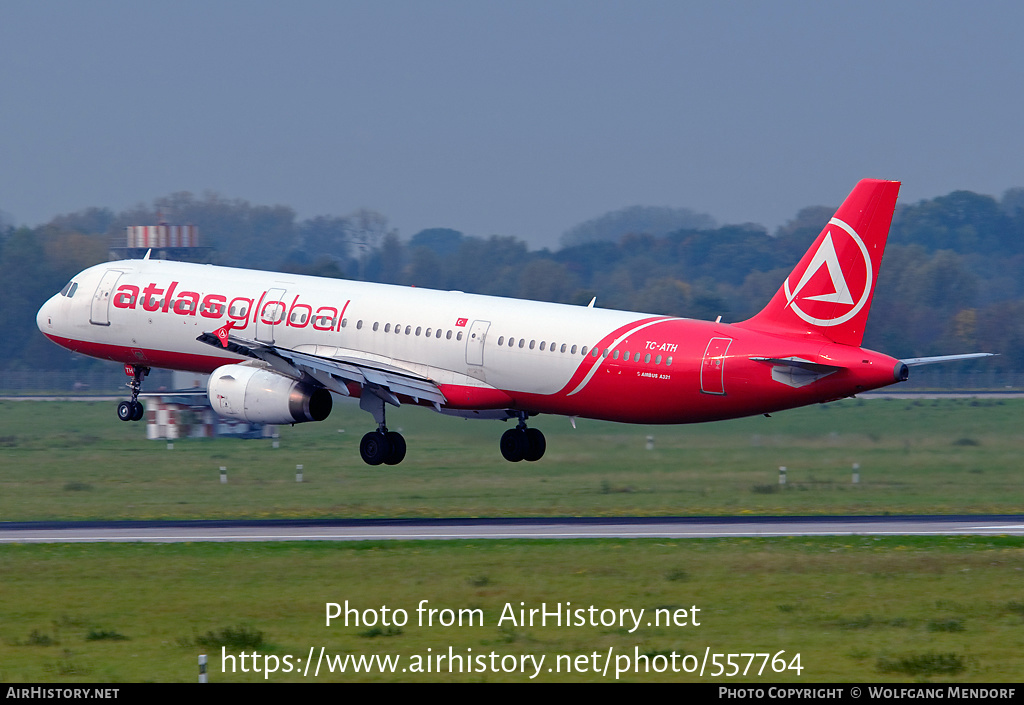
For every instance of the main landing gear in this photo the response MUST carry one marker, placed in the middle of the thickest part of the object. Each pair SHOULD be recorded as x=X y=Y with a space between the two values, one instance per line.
x=133 y=410
x=522 y=443
x=382 y=445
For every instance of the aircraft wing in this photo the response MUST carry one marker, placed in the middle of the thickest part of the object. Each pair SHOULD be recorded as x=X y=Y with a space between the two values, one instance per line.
x=383 y=380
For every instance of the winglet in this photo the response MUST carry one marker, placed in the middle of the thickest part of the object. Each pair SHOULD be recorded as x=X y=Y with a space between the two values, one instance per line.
x=829 y=292
x=222 y=332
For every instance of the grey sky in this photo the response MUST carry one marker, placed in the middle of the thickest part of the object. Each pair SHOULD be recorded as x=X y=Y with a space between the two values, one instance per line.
x=517 y=118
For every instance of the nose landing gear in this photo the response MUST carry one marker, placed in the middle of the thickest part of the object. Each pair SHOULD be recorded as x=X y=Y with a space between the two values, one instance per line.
x=133 y=410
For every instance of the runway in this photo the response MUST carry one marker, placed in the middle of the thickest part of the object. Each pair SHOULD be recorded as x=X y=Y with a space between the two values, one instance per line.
x=481 y=529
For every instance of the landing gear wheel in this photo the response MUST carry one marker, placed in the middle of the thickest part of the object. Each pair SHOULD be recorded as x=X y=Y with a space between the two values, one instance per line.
x=514 y=445
x=374 y=448
x=396 y=448
x=133 y=410
x=536 y=445
x=126 y=410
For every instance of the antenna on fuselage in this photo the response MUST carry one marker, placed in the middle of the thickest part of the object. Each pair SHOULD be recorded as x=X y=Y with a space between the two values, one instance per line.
x=148 y=253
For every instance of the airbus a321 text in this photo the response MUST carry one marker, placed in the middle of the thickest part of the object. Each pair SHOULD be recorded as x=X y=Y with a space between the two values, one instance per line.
x=278 y=346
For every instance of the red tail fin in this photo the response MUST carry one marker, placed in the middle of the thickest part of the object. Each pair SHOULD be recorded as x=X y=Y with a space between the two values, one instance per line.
x=829 y=292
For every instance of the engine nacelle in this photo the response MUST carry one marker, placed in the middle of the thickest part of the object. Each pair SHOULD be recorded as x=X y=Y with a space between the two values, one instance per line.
x=264 y=396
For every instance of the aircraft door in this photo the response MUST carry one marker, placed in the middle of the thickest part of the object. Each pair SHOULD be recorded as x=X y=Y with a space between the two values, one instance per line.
x=99 y=314
x=712 y=369
x=270 y=315
x=475 y=342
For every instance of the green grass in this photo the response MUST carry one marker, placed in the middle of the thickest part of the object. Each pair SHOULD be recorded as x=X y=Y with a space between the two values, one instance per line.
x=856 y=609
x=74 y=460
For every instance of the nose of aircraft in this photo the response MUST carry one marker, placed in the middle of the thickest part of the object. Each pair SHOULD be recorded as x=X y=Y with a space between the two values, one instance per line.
x=45 y=317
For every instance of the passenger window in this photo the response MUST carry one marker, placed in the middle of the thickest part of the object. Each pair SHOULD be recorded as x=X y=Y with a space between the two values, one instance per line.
x=359 y=324
x=448 y=335
x=532 y=344
x=501 y=340
x=375 y=326
x=605 y=353
x=387 y=327
x=459 y=336
x=573 y=350
x=408 y=330
x=647 y=357
x=429 y=332
x=563 y=347
x=615 y=355
x=583 y=352
x=636 y=358
x=418 y=330
x=669 y=360
x=344 y=322
x=657 y=360
x=542 y=346
x=522 y=342
x=438 y=334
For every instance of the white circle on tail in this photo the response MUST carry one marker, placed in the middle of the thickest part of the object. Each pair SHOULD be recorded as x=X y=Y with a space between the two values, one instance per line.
x=829 y=303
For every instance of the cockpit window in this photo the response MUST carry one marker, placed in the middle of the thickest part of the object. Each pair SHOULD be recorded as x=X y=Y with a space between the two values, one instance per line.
x=69 y=289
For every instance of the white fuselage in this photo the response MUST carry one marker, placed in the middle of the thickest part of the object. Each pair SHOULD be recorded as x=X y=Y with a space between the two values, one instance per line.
x=482 y=352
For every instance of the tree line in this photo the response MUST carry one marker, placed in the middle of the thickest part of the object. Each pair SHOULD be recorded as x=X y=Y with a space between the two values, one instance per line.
x=952 y=279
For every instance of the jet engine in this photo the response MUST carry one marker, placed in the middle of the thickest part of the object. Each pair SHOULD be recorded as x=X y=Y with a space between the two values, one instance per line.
x=260 y=395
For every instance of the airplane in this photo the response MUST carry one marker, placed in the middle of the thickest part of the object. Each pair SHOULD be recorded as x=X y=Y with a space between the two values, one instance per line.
x=277 y=346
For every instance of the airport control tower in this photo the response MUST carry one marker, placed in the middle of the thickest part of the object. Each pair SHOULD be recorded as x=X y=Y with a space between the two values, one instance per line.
x=175 y=242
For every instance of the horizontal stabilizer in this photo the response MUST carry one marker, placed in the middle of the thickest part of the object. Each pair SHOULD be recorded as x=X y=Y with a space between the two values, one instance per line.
x=797 y=372
x=816 y=367
x=914 y=361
